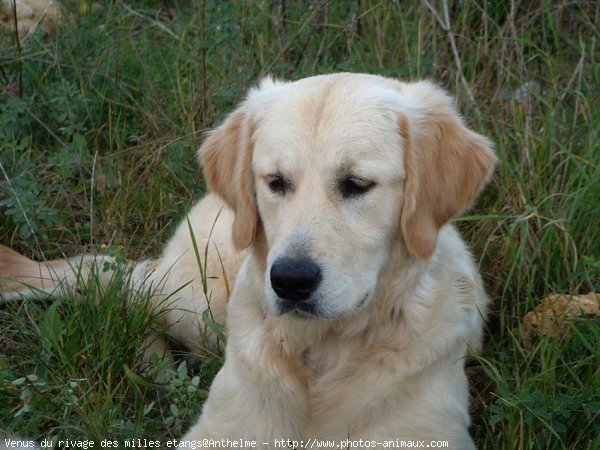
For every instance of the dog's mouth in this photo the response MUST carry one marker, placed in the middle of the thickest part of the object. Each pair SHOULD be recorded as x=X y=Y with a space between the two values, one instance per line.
x=300 y=309
x=363 y=301
x=311 y=310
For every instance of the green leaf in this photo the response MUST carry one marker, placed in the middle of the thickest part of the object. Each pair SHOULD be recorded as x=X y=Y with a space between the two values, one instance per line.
x=216 y=327
x=137 y=379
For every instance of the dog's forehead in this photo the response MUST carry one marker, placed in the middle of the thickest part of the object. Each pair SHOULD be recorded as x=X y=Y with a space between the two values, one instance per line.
x=334 y=121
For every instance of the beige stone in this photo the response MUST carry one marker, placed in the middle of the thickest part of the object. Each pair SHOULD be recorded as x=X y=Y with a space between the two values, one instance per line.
x=30 y=14
x=551 y=316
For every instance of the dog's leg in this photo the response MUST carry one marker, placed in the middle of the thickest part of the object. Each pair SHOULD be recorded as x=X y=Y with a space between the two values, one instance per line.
x=264 y=411
x=260 y=393
x=183 y=282
x=21 y=277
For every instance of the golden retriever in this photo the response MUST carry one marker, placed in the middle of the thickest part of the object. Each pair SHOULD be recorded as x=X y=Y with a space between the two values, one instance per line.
x=355 y=302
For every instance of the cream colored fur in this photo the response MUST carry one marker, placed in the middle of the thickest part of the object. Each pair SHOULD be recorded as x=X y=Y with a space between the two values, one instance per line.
x=401 y=301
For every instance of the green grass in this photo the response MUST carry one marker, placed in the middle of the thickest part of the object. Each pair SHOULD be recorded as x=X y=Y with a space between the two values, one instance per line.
x=73 y=370
x=99 y=149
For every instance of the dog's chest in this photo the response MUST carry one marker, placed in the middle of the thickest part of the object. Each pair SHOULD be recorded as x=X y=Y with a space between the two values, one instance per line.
x=329 y=366
x=338 y=377
x=323 y=361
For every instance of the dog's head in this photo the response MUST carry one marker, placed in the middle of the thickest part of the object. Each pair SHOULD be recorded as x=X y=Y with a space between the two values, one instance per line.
x=331 y=169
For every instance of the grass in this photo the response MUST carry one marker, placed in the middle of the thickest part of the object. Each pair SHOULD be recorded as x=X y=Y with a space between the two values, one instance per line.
x=99 y=150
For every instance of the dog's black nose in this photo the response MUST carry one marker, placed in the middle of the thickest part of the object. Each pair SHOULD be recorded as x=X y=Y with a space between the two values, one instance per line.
x=295 y=279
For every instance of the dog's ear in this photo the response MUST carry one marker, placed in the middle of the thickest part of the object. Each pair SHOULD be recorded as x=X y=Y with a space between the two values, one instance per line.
x=226 y=158
x=446 y=166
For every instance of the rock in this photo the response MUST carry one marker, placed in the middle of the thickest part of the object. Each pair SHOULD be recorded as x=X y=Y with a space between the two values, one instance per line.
x=551 y=316
x=30 y=14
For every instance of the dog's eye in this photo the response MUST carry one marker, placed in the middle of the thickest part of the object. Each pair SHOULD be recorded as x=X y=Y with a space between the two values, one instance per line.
x=354 y=186
x=277 y=183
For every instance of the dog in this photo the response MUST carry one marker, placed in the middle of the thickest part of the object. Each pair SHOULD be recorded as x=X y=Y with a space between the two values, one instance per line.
x=355 y=302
